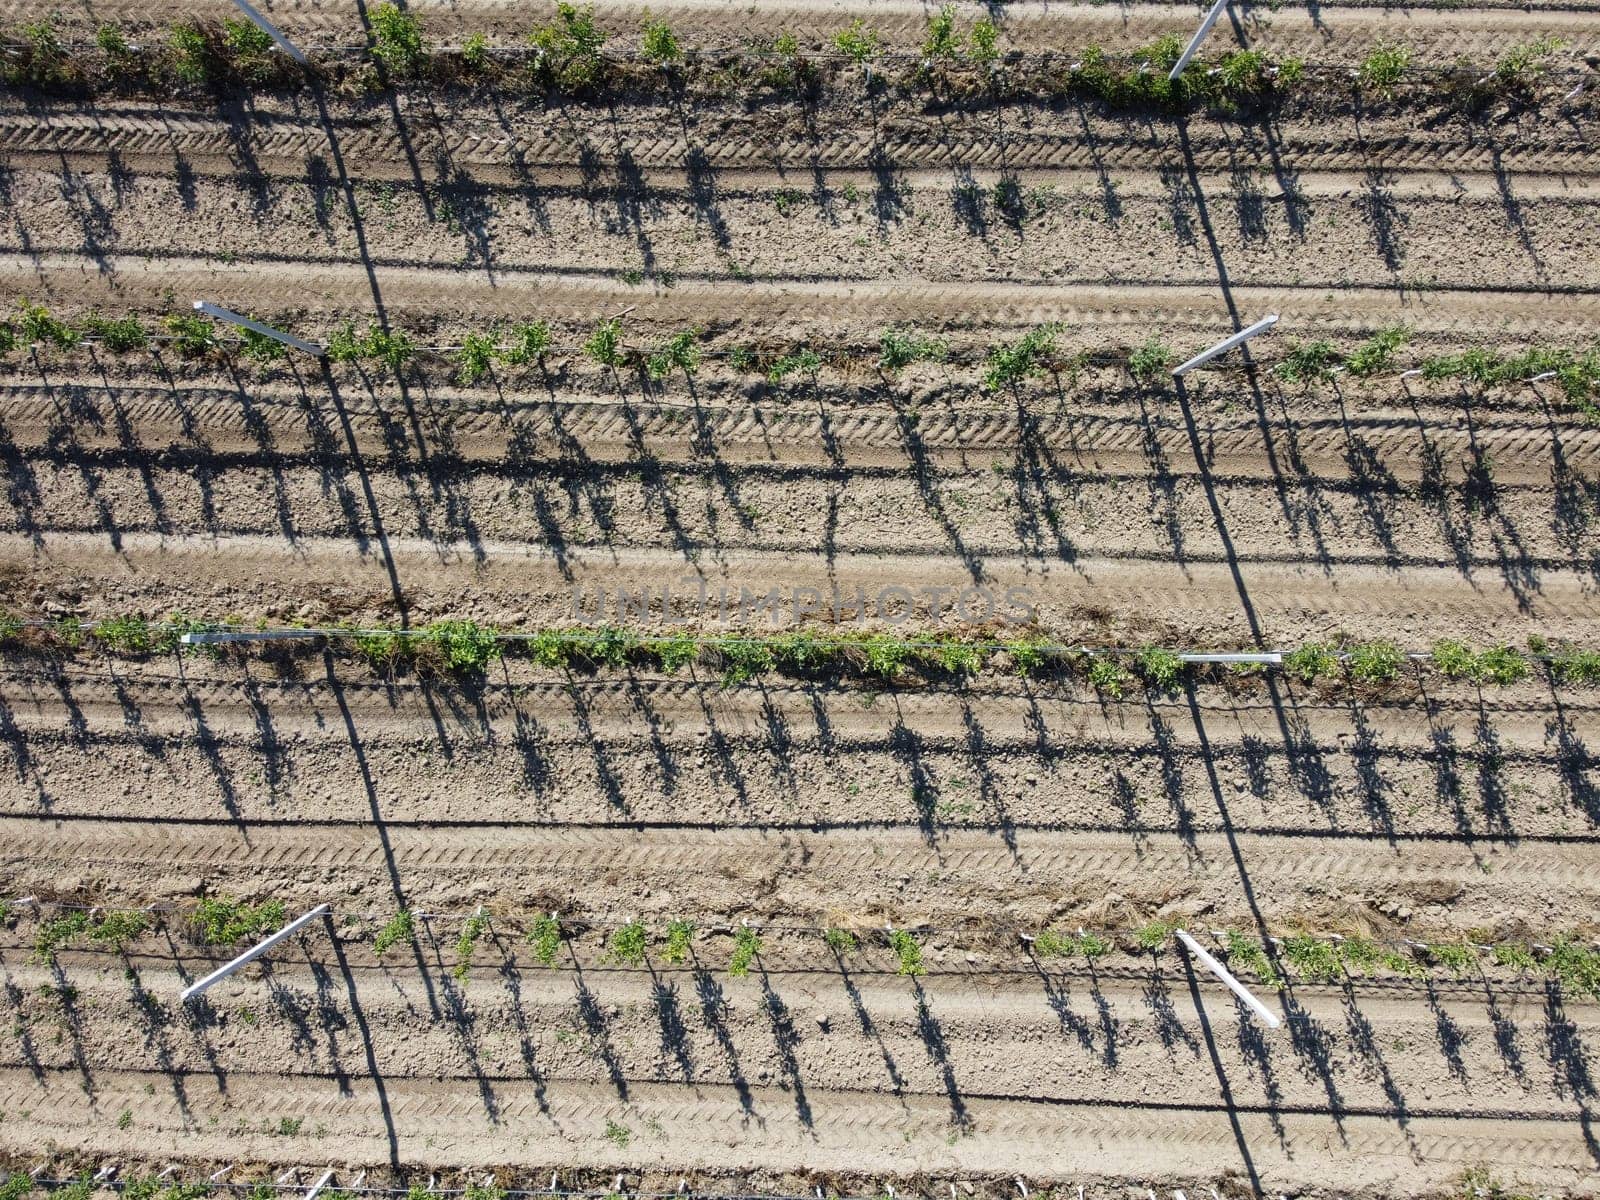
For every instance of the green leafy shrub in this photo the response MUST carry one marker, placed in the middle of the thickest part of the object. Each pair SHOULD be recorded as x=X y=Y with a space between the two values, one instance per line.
x=56 y=932
x=605 y=343
x=899 y=348
x=467 y=944
x=1311 y=958
x=248 y=46
x=475 y=52
x=545 y=938
x=1154 y=935
x=260 y=348
x=1576 y=965
x=679 y=351
x=1160 y=669
x=120 y=336
x=1010 y=365
x=1520 y=66
x=983 y=40
x=1514 y=955
x=125 y=635
x=1107 y=676
x=658 y=43
x=1151 y=362
x=397 y=41
x=886 y=655
x=567 y=51
x=840 y=941
x=1381 y=70
x=222 y=922
x=954 y=656
x=1457 y=957
x=381 y=648
x=746 y=947
x=1311 y=662
x=1376 y=353
x=804 y=362
x=909 y=951
x=530 y=342
x=475 y=358
x=8 y=338
x=941 y=41
x=192 y=336
x=1307 y=363
x=1247 y=953
x=1453 y=659
x=1500 y=665
x=401 y=928
x=1571 y=665
x=37 y=325
x=628 y=944
x=1029 y=655
x=858 y=43
x=113 y=43
x=743 y=659
x=1376 y=662
x=680 y=936
x=467 y=647
x=192 y=59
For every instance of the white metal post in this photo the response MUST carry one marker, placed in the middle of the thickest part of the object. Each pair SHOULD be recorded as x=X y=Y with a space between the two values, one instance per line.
x=1199 y=36
x=320 y=1184
x=1234 y=986
x=1226 y=344
x=222 y=972
x=272 y=32
x=277 y=335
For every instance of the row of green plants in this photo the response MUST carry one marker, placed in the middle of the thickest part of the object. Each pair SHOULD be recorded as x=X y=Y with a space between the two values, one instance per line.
x=1007 y=364
x=468 y=647
x=572 y=54
x=1312 y=957
x=214 y=921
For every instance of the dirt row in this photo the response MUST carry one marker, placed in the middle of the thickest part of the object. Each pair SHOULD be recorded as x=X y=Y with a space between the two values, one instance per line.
x=1326 y=33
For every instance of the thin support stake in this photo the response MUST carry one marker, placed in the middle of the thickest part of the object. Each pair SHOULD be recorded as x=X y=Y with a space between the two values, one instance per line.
x=320 y=1184
x=272 y=32
x=1226 y=344
x=1199 y=36
x=223 y=972
x=1234 y=986
x=277 y=335
x=1267 y=657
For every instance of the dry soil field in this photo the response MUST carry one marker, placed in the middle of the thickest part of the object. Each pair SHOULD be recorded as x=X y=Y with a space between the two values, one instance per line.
x=932 y=891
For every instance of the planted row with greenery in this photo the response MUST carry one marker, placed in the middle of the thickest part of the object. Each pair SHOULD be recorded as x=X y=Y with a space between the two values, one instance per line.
x=468 y=648
x=214 y=921
x=1007 y=364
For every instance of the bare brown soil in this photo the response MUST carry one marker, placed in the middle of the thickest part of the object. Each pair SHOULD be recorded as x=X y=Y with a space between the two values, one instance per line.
x=1239 y=511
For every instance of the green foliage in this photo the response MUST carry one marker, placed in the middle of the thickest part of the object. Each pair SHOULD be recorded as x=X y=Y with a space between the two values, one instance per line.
x=530 y=342
x=886 y=654
x=1160 y=669
x=260 y=348
x=1514 y=955
x=1028 y=654
x=401 y=928
x=898 y=348
x=983 y=42
x=192 y=336
x=1311 y=662
x=1383 y=68
x=1358 y=953
x=112 y=42
x=1377 y=351
x=37 y=325
x=673 y=652
x=941 y=42
x=118 y=928
x=17 y=1185
x=746 y=946
x=1453 y=659
x=57 y=931
x=475 y=52
x=1572 y=665
x=475 y=358
x=659 y=43
x=840 y=941
x=80 y=1188
x=568 y=50
x=47 y=57
x=1523 y=64
x=192 y=62
x=1401 y=962
x=1010 y=365
x=467 y=647
x=605 y=343
x=483 y=1191
x=248 y=45
x=679 y=351
x=1457 y=956
x=397 y=41
x=381 y=648
x=1247 y=953
x=680 y=935
x=858 y=43
x=628 y=944
x=120 y=336
x=1376 y=662
x=1154 y=935
x=545 y=938
x=1576 y=965
x=8 y=338
x=909 y=951
x=1151 y=362
x=1501 y=665
x=807 y=362
x=1311 y=958
x=1106 y=675
x=467 y=944
x=1307 y=363
x=953 y=656
x=1051 y=944
x=125 y=635
x=222 y=922
x=743 y=659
